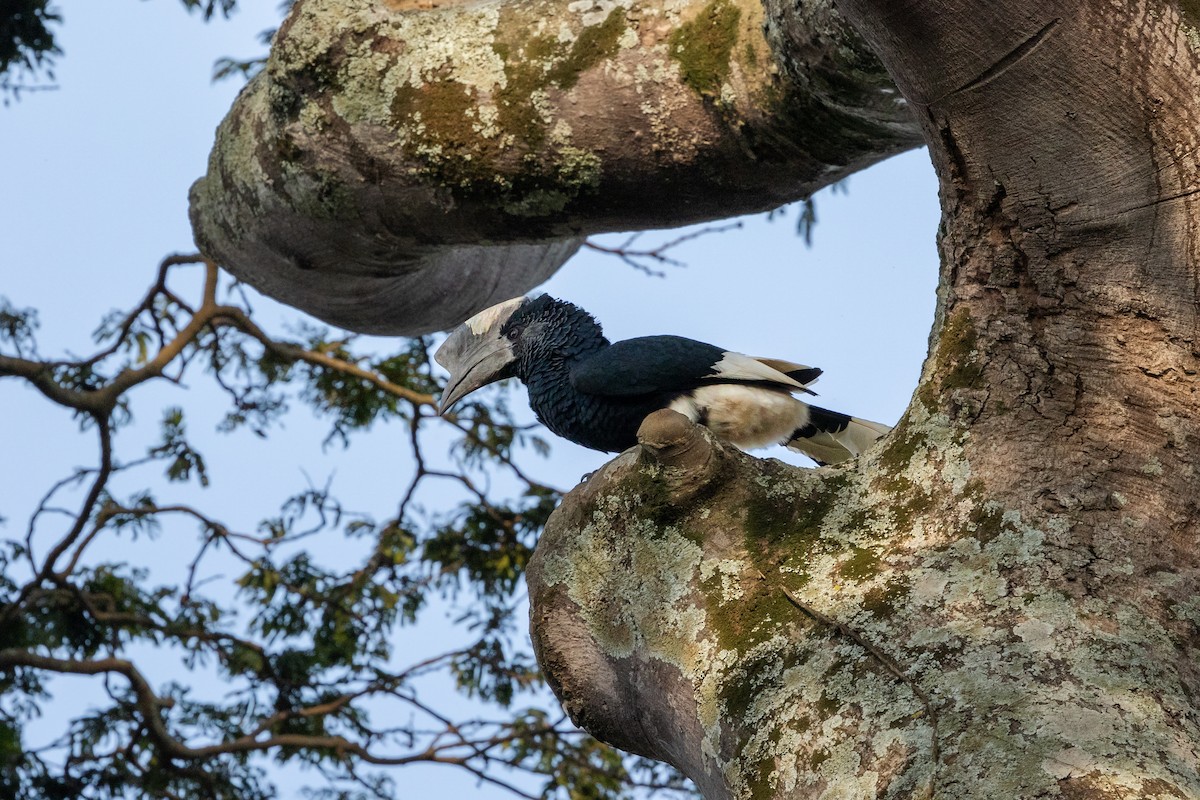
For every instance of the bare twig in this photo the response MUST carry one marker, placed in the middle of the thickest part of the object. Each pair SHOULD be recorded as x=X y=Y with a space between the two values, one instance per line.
x=636 y=258
x=231 y=315
x=85 y=512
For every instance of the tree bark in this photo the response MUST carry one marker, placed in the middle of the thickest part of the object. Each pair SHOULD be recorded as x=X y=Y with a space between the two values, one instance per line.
x=1000 y=600
x=396 y=168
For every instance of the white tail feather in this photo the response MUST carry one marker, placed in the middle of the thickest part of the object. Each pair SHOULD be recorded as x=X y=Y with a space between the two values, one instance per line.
x=833 y=448
x=785 y=366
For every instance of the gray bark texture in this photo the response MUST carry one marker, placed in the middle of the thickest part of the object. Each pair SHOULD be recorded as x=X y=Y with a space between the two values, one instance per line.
x=1001 y=599
x=398 y=166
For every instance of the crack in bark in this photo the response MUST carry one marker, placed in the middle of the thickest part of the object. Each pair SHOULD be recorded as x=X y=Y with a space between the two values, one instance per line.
x=1159 y=201
x=888 y=663
x=1008 y=61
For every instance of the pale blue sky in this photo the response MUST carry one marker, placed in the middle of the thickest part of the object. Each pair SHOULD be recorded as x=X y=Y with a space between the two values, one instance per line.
x=95 y=178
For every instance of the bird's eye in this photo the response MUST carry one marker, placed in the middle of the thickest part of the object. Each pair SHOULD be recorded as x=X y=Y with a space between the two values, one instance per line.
x=513 y=333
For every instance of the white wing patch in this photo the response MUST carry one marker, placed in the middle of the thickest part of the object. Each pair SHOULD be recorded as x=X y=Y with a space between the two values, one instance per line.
x=784 y=366
x=737 y=367
x=747 y=416
x=490 y=317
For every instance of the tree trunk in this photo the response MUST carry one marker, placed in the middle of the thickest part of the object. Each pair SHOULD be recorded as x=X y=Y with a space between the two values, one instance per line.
x=395 y=168
x=1000 y=600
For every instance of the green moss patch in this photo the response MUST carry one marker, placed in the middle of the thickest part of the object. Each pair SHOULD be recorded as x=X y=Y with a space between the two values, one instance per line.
x=703 y=46
x=917 y=504
x=524 y=74
x=956 y=362
x=541 y=62
x=439 y=118
x=644 y=489
x=1191 y=11
x=512 y=167
x=786 y=530
x=593 y=45
x=750 y=620
x=882 y=601
x=750 y=682
x=543 y=189
x=762 y=781
x=783 y=529
x=443 y=108
x=902 y=445
x=907 y=500
x=987 y=521
x=827 y=706
x=861 y=564
x=749 y=55
x=957 y=356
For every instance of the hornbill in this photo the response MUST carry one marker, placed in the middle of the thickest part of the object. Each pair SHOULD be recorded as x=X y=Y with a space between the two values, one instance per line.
x=596 y=393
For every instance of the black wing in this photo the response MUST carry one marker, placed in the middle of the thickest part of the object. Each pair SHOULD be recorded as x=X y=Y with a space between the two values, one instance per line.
x=664 y=364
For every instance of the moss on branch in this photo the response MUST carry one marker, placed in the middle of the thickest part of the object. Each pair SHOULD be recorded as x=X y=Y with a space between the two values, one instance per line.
x=703 y=46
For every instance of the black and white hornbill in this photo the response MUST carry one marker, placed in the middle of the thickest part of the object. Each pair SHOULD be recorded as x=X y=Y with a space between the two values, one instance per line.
x=596 y=393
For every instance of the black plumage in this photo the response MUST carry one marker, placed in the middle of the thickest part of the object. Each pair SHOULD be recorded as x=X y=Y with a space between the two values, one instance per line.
x=597 y=393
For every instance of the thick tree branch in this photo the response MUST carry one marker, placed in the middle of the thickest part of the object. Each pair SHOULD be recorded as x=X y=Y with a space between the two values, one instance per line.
x=393 y=170
x=993 y=597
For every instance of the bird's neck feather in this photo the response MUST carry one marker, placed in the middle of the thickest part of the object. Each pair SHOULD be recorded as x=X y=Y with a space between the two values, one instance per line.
x=563 y=343
x=546 y=369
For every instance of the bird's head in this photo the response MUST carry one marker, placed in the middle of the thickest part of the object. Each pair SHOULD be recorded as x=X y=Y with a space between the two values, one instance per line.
x=491 y=345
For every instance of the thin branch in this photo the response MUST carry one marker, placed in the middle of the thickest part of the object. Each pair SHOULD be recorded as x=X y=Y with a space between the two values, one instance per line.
x=338 y=694
x=96 y=401
x=41 y=375
x=628 y=254
x=127 y=378
x=503 y=459
x=150 y=704
x=43 y=507
x=235 y=317
x=483 y=776
x=414 y=438
x=85 y=512
x=158 y=288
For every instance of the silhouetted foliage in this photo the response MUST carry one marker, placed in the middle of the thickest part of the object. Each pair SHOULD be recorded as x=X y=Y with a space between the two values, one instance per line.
x=27 y=46
x=28 y=49
x=311 y=651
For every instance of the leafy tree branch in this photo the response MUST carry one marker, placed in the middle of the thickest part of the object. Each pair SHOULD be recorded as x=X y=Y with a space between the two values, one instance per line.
x=308 y=653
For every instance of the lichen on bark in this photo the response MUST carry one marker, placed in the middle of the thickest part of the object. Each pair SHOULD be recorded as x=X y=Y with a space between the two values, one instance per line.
x=1015 y=565
x=831 y=641
x=476 y=143
x=703 y=579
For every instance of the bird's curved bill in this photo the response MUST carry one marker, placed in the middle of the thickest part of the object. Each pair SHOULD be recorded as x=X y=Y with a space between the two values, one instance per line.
x=475 y=354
